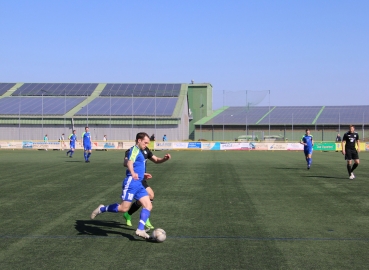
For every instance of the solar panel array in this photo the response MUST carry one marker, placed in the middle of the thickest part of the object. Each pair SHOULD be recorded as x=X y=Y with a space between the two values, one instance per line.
x=344 y=115
x=38 y=105
x=239 y=116
x=141 y=90
x=124 y=106
x=5 y=87
x=288 y=115
x=55 y=89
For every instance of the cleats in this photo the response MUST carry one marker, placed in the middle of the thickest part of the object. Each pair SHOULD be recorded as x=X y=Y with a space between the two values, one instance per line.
x=70 y=156
x=308 y=167
x=128 y=219
x=96 y=211
x=352 y=176
x=148 y=225
x=87 y=161
x=142 y=233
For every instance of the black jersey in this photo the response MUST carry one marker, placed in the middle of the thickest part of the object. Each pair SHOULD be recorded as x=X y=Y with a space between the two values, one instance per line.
x=350 y=139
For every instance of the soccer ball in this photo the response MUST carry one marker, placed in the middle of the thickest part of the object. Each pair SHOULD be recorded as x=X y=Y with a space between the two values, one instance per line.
x=159 y=235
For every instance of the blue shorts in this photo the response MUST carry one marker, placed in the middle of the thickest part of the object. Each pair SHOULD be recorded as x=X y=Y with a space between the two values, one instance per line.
x=72 y=146
x=308 y=151
x=132 y=189
x=87 y=147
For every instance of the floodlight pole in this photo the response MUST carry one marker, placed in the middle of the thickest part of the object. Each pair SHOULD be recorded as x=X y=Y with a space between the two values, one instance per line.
x=19 y=123
x=269 y=113
x=223 y=113
x=110 y=117
x=42 y=111
x=87 y=116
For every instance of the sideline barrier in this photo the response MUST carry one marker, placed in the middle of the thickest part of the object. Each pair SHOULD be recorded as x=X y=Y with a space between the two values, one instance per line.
x=41 y=145
x=222 y=146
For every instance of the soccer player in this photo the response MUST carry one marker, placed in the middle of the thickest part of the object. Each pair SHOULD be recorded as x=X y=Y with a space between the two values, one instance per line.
x=349 y=140
x=308 y=142
x=87 y=144
x=72 y=143
x=136 y=205
x=132 y=187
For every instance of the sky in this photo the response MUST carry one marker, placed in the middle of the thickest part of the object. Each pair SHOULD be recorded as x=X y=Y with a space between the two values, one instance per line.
x=302 y=52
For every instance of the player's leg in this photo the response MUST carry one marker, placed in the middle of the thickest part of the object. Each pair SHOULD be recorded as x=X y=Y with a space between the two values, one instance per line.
x=145 y=213
x=89 y=153
x=71 y=152
x=151 y=196
x=136 y=205
x=129 y=188
x=355 y=157
x=348 y=157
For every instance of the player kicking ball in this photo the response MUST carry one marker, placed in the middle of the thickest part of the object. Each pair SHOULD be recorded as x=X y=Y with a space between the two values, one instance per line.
x=132 y=187
x=308 y=142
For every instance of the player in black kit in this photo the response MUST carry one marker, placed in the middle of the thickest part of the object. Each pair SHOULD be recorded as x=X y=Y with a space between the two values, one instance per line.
x=350 y=139
x=136 y=205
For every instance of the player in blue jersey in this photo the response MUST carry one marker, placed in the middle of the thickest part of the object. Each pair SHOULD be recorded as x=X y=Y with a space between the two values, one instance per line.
x=72 y=143
x=136 y=205
x=308 y=142
x=132 y=187
x=87 y=144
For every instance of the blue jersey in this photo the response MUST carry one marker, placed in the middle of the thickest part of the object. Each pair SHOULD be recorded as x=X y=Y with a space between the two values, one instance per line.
x=72 y=139
x=86 y=138
x=139 y=162
x=308 y=139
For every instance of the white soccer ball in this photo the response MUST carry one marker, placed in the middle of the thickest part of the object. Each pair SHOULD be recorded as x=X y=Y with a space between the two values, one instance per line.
x=159 y=235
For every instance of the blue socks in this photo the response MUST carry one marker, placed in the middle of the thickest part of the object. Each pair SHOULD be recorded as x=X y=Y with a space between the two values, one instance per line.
x=110 y=208
x=145 y=214
x=309 y=161
x=88 y=155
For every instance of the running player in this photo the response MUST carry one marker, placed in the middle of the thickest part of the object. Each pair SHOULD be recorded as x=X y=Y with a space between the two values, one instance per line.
x=136 y=205
x=308 y=142
x=132 y=186
x=72 y=143
x=349 y=140
x=87 y=144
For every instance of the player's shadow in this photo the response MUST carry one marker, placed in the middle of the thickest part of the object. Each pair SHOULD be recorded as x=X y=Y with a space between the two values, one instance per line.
x=74 y=161
x=292 y=169
x=323 y=176
x=102 y=228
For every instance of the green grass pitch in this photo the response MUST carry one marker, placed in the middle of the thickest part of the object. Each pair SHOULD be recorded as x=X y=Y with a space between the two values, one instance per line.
x=221 y=210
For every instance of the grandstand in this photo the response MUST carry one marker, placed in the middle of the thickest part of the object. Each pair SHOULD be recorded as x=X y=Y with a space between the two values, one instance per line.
x=289 y=122
x=28 y=111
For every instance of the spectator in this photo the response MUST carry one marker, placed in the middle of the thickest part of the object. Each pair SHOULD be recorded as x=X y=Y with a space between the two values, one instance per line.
x=338 y=138
x=105 y=139
x=152 y=138
x=165 y=138
x=46 y=139
x=61 y=140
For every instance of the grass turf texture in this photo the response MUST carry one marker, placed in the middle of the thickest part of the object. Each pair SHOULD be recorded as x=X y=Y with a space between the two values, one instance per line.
x=221 y=210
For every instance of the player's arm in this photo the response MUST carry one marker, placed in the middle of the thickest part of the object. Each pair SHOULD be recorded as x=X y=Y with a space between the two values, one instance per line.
x=131 y=170
x=158 y=160
x=358 y=144
x=302 y=140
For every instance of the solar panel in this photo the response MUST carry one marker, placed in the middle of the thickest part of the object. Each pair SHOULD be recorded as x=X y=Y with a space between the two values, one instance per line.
x=288 y=115
x=344 y=115
x=55 y=89
x=5 y=87
x=239 y=116
x=125 y=106
x=38 y=105
x=142 y=90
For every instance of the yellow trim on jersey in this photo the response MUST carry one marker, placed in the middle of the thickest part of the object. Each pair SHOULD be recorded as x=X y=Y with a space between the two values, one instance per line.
x=135 y=152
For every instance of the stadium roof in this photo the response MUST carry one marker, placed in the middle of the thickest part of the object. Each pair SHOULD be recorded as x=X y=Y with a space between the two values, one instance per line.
x=288 y=115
